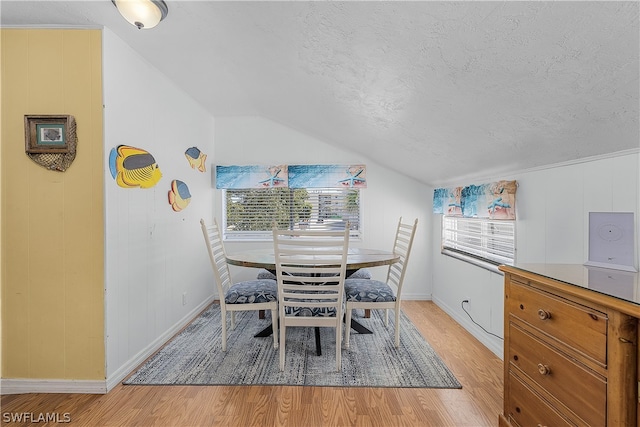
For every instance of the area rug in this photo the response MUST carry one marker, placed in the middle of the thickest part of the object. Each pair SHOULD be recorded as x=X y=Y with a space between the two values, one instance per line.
x=194 y=357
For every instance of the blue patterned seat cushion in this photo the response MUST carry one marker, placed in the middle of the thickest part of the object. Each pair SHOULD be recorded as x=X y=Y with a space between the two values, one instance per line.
x=252 y=291
x=257 y=291
x=363 y=273
x=265 y=274
x=367 y=290
x=311 y=312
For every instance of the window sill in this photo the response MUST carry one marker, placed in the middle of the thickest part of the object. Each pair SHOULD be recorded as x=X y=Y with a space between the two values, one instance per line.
x=472 y=260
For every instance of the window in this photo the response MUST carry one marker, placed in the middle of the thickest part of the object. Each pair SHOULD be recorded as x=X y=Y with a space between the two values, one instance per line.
x=249 y=214
x=485 y=242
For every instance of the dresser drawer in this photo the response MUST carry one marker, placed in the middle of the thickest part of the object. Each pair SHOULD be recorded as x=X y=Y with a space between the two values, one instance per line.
x=581 y=390
x=526 y=409
x=579 y=327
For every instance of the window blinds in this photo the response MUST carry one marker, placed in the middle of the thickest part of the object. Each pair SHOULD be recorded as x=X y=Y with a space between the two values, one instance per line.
x=250 y=213
x=489 y=240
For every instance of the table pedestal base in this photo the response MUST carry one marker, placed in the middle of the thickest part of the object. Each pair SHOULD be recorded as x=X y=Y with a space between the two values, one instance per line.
x=356 y=326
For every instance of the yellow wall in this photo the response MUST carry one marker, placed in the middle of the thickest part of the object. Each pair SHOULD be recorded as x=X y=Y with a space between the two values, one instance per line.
x=52 y=222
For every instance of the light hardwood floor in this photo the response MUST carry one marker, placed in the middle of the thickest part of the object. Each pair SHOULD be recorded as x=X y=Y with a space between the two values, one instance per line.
x=477 y=404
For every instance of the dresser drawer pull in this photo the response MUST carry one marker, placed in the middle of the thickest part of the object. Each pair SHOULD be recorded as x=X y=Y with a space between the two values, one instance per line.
x=540 y=425
x=543 y=369
x=544 y=315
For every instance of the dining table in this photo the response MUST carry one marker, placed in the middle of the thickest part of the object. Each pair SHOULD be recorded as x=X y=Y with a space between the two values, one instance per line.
x=357 y=258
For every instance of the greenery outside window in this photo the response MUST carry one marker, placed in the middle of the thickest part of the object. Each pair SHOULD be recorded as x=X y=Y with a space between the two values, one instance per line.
x=249 y=213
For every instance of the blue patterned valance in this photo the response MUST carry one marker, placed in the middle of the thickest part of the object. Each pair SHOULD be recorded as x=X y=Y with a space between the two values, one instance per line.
x=292 y=176
x=242 y=177
x=496 y=200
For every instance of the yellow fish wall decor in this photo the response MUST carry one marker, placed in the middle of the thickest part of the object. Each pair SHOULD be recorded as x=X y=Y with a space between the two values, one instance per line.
x=196 y=158
x=133 y=167
x=179 y=196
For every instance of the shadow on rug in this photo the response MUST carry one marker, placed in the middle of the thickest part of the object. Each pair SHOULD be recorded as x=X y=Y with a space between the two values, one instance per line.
x=194 y=357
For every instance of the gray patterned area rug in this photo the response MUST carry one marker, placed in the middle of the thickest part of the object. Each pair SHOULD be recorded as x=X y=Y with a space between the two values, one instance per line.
x=194 y=356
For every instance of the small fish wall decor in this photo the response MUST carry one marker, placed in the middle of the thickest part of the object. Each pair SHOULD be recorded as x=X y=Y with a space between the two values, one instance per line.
x=133 y=167
x=196 y=159
x=179 y=195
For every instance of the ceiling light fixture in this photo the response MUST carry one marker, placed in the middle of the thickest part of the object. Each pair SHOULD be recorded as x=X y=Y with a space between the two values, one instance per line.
x=142 y=13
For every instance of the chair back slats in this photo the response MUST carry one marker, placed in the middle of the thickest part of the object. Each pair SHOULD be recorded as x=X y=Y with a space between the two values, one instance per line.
x=403 y=242
x=310 y=269
x=218 y=258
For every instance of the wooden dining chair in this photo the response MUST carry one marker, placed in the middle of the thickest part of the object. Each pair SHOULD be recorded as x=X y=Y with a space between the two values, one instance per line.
x=310 y=271
x=374 y=294
x=242 y=296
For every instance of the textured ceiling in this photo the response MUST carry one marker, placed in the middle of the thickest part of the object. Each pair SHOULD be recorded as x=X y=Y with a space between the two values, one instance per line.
x=435 y=90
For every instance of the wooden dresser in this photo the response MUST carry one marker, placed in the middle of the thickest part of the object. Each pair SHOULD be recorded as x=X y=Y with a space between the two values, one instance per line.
x=570 y=346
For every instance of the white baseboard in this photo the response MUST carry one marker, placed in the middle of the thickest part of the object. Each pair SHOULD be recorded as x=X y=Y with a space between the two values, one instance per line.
x=31 y=385
x=493 y=344
x=28 y=385
x=121 y=373
x=415 y=297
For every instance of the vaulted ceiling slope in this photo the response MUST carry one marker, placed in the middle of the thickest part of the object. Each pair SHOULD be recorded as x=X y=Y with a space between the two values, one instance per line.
x=435 y=90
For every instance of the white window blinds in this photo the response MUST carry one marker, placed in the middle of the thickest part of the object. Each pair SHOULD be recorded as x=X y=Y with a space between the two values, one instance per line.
x=250 y=213
x=487 y=240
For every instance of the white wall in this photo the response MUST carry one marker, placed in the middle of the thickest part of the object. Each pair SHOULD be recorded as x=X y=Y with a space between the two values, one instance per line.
x=552 y=208
x=389 y=195
x=153 y=254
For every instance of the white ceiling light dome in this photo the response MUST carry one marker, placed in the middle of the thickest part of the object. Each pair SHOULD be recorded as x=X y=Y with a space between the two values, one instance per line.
x=144 y=14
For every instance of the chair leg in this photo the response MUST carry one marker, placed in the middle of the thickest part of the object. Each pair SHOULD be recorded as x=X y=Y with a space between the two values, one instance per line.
x=223 y=316
x=274 y=327
x=282 y=342
x=397 y=310
x=386 y=317
x=318 y=343
x=339 y=346
x=233 y=320
x=347 y=327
